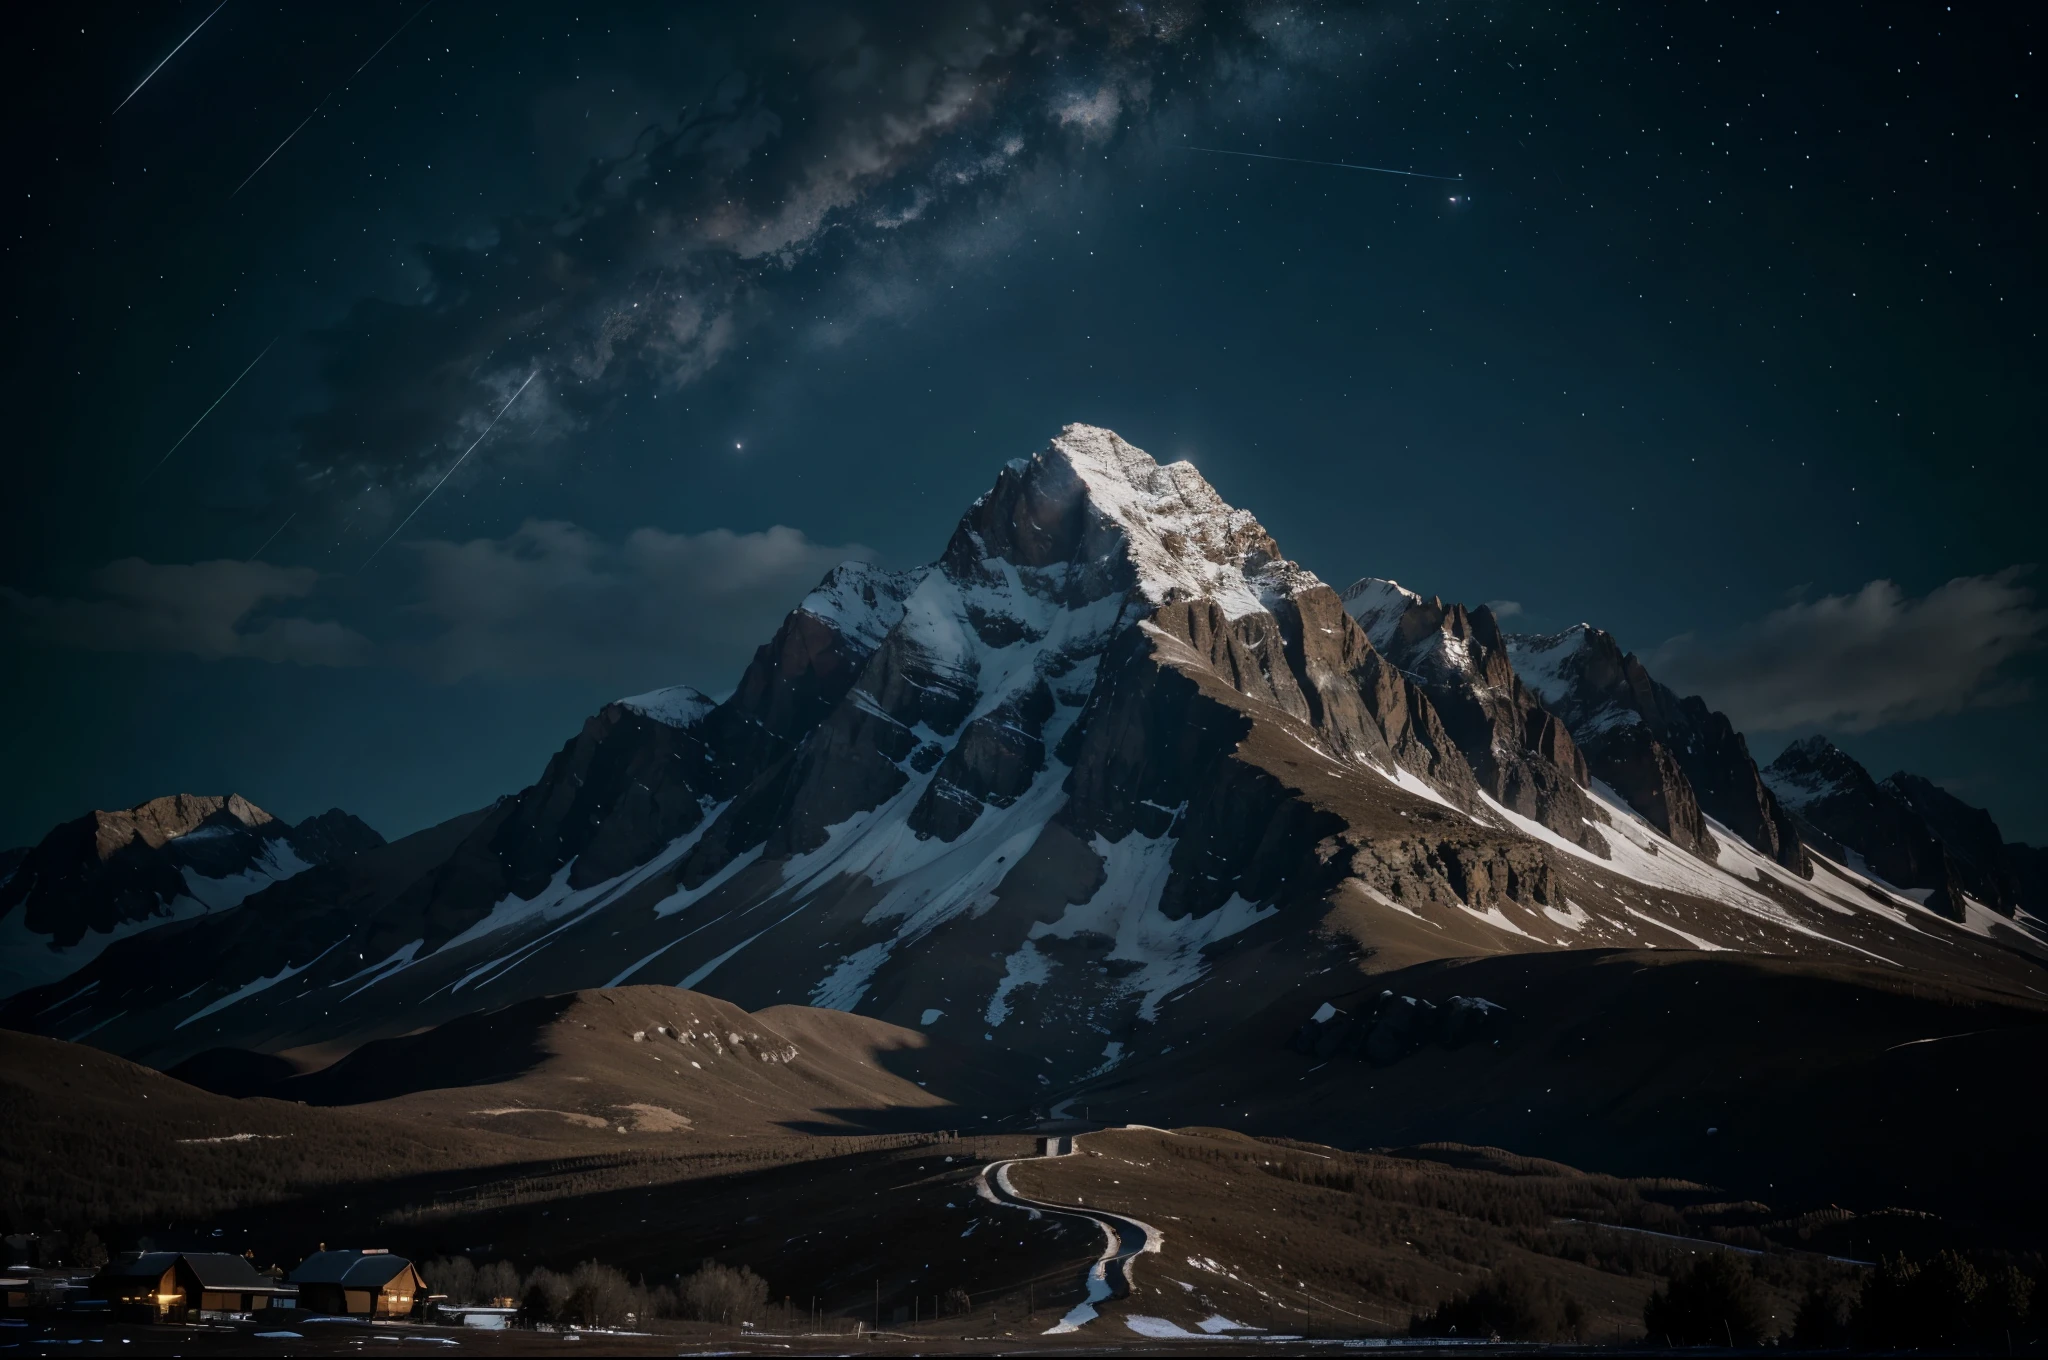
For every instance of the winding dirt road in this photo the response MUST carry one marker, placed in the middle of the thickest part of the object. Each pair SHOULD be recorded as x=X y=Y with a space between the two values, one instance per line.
x=1124 y=1239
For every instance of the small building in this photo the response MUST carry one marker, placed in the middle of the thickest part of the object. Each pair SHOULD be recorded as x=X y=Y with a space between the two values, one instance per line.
x=367 y=1283
x=180 y=1286
x=1056 y=1145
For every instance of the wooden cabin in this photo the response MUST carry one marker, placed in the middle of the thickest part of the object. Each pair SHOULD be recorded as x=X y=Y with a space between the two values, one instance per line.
x=367 y=1283
x=182 y=1286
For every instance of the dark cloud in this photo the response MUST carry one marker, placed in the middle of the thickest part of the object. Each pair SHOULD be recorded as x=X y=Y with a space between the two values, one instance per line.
x=1869 y=659
x=214 y=610
x=659 y=608
x=550 y=599
x=859 y=129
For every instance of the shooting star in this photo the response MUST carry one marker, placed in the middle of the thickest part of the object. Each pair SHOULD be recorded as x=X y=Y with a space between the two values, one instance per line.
x=273 y=538
x=331 y=93
x=451 y=471
x=1340 y=165
x=167 y=60
x=207 y=412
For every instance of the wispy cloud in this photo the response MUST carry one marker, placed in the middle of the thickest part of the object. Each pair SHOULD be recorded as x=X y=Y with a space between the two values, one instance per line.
x=549 y=599
x=1868 y=659
x=214 y=610
x=554 y=599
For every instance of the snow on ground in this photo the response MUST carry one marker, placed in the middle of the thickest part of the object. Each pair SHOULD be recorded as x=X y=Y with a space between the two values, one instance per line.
x=1498 y=919
x=1641 y=854
x=1160 y=1329
x=1406 y=779
x=1848 y=889
x=1126 y=909
x=27 y=960
x=262 y=984
x=557 y=902
x=930 y=881
x=398 y=958
x=1025 y=967
x=1573 y=917
x=678 y=705
x=1694 y=940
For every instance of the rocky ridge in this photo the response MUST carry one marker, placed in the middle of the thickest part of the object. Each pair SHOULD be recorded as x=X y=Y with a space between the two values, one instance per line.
x=1672 y=759
x=1906 y=830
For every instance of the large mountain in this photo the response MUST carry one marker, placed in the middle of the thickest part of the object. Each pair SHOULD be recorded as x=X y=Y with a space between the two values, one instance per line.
x=1110 y=778
x=108 y=875
x=1906 y=830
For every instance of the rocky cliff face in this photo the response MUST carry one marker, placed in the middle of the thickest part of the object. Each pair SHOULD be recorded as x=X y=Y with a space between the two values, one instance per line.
x=1522 y=754
x=110 y=873
x=1910 y=832
x=1672 y=759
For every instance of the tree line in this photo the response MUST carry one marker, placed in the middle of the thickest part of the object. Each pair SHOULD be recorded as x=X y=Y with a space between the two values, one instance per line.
x=594 y=1294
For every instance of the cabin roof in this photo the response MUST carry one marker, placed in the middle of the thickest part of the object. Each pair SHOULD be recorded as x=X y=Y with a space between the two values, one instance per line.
x=140 y=1265
x=217 y=1270
x=223 y=1270
x=361 y=1270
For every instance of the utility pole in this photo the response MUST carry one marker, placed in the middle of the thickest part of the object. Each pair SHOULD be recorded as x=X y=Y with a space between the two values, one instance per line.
x=878 y=1304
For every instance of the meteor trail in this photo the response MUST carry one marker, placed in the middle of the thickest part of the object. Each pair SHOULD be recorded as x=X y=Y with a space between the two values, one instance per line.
x=330 y=94
x=166 y=61
x=207 y=412
x=1340 y=165
x=451 y=471
x=273 y=538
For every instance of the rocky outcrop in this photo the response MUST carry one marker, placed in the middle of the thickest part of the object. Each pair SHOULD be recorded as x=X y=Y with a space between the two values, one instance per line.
x=1672 y=759
x=1387 y=1028
x=1523 y=755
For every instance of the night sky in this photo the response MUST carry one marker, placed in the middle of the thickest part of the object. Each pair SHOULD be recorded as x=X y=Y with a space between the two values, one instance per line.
x=1727 y=340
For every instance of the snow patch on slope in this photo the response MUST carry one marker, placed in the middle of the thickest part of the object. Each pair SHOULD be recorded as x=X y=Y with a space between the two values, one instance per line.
x=677 y=705
x=28 y=960
x=1125 y=908
x=262 y=984
x=861 y=601
x=1378 y=606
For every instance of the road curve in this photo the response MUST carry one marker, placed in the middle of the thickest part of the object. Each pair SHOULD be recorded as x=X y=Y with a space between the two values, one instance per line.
x=1124 y=1239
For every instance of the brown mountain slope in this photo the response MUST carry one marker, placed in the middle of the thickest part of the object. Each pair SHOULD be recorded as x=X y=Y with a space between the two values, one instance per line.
x=658 y=1060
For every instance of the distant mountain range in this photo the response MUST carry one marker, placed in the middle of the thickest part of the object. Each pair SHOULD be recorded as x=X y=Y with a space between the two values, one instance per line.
x=109 y=876
x=1111 y=784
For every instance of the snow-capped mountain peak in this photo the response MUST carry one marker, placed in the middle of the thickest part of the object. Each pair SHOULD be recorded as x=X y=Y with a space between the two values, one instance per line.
x=676 y=705
x=1812 y=769
x=1542 y=660
x=1378 y=605
x=1181 y=537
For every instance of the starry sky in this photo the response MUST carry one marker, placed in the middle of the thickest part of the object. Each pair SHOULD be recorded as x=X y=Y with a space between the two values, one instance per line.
x=393 y=384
